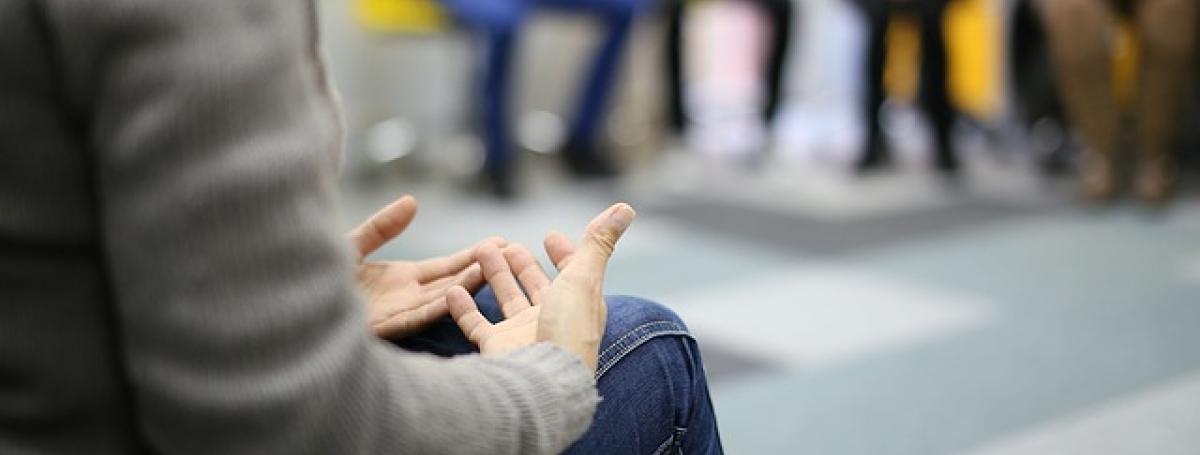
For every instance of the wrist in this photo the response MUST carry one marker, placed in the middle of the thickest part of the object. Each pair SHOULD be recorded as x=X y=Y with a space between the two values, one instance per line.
x=586 y=348
x=587 y=353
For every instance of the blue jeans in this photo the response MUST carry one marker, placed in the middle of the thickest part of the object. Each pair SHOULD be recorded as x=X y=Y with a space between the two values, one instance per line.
x=499 y=21
x=650 y=377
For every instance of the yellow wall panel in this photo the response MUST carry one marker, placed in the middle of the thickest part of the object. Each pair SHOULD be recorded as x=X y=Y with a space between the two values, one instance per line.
x=404 y=16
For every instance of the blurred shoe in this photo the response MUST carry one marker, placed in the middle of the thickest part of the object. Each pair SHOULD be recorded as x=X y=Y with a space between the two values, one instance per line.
x=585 y=161
x=1056 y=163
x=1097 y=176
x=876 y=157
x=500 y=184
x=946 y=163
x=1154 y=179
x=945 y=157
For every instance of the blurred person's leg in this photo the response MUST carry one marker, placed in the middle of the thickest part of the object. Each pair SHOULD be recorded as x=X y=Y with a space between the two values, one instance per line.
x=1079 y=33
x=1036 y=94
x=1168 y=42
x=875 y=153
x=677 y=113
x=581 y=151
x=498 y=22
x=498 y=163
x=935 y=87
x=650 y=377
x=780 y=13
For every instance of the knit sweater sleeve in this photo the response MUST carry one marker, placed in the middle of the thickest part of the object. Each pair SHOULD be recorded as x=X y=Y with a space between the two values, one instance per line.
x=213 y=142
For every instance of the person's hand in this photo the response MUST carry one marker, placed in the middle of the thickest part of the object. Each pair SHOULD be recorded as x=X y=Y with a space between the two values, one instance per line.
x=404 y=297
x=519 y=327
x=568 y=311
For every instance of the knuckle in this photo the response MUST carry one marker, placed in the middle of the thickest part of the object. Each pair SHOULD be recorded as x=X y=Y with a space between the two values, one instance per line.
x=605 y=242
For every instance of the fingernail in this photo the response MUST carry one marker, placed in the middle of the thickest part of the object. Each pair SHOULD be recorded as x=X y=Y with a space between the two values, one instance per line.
x=622 y=215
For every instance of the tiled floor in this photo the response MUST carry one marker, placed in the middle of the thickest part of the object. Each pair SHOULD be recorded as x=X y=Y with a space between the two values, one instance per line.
x=896 y=315
x=1161 y=420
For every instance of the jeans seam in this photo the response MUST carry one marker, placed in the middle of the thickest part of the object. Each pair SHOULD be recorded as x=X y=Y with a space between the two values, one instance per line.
x=662 y=448
x=633 y=332
x=673 y=441
x=640 y=335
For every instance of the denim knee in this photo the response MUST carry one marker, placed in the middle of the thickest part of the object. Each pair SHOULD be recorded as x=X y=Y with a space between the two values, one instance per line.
x=651 y=379
x=626 y=312
x=632 y=322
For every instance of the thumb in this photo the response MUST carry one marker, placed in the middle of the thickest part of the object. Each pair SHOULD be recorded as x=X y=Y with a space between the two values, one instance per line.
x=384 y=225
x=602 y=234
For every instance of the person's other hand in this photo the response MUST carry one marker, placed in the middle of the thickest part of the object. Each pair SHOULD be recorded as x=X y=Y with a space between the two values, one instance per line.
x=519 y=327
x=403 y=296
x=568 y=311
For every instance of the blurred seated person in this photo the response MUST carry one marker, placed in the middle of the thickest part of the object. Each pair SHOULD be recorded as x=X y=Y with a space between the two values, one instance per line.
x=499 y=22
x=934 y=96
x=1081 y=37
x=778 y=12
x=172 y=280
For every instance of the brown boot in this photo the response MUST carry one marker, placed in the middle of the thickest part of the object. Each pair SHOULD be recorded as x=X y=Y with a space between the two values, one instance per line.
x=1154 y=180
x=1097 y=176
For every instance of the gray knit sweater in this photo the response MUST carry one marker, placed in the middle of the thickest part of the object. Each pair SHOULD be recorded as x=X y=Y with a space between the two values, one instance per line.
x=171 y=279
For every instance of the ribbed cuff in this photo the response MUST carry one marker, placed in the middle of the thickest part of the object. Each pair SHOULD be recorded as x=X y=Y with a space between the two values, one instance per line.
x=569 y=381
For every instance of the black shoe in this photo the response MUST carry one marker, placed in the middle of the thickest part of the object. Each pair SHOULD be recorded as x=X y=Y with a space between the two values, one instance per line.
x=587 y=162
x=946 y=163
x=945 y=159
x=500 y=184
x=875 y=158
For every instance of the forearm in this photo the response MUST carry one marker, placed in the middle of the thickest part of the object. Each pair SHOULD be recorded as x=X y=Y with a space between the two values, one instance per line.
x=536 y=400
x=214 y=150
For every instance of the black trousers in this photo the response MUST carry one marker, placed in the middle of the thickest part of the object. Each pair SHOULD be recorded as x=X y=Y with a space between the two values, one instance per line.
x=780 y=13
x=934 y=87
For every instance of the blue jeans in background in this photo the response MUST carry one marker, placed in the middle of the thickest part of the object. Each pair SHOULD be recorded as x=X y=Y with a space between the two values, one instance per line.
x=654 y=395
x=499 y=22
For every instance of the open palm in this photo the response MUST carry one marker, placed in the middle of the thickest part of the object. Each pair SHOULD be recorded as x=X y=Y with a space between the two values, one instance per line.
x=521 y=312
x=568 y=311
x=406 y=296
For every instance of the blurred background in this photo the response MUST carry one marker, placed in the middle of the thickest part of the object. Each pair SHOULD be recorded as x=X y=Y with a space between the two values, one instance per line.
x=896 y=227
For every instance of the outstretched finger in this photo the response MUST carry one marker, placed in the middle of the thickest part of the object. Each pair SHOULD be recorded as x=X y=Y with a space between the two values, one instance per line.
x=410 y=321
x=601 y=236
x=499 y=275
x=384 y=225
x=559 y=248
x=529 y=272
x=466 y=314
x=471 y=279
x=445 y=266
x=436 y=289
